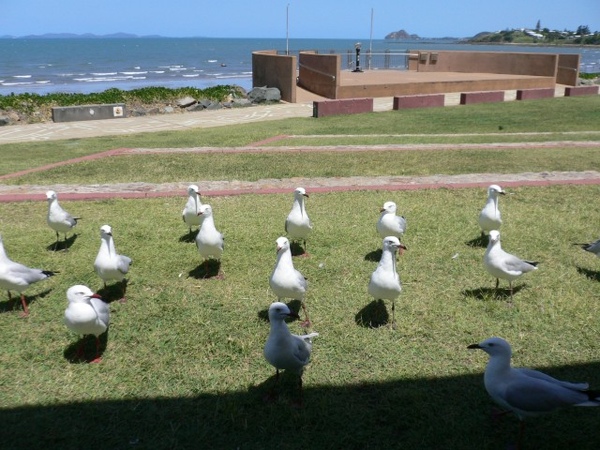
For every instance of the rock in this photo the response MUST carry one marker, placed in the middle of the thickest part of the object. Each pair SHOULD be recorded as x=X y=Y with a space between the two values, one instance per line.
x=168 y=110
x=237 y=102
x=264 y=94
x=213 y=105
x=195 y=107
x=186 y=101
x=4 y=120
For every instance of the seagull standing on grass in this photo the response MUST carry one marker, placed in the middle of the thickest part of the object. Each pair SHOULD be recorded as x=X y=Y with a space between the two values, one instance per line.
x=192 y=208
x=298 y=225
x=209 y=241
x=17 y=277
x=86 y=314
x=527 y=392
x=109 y=265
x=504 y=265
x=389 y=224
x=489 y=217
x=285 y=280
x=593 y=247
x=284 y=350
x=385 y=281
x=58 y=219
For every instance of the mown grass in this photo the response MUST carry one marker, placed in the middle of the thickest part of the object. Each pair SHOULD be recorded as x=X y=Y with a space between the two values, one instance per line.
x=183 y=365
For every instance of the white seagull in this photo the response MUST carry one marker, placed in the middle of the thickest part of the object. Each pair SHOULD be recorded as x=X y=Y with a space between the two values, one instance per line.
x=58 y=219
x=501 y=264
x=192 y=208
x=489 y=217
x=285 y=280
x=528 y=392
x=385 y=281
x=284 y=350
x=297 y=224
x=17 y=277
x=593 y=247
x=86 y=314
x=209 y=241
x=109 y=265
x=389 y=224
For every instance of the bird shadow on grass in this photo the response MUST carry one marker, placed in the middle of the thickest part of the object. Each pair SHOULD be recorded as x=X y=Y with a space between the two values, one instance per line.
x=374 y=315
x=374 y=256
x=210 y=268
x=83 y=351
x=113 y=292
x=297 y=249
x=294 y=305
x=189 y=237
x=593 y=275
x=479 y=242
x=63 y=245
x=15 y=301
x=486 y=293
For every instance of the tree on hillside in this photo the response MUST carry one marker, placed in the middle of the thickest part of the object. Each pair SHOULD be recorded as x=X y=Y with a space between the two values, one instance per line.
x=538 y=26
x=583 y=30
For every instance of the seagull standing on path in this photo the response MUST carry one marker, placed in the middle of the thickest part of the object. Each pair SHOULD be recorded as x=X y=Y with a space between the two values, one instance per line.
x=209 y=241
x=593 y=247
x=389 y=224
x=192 y=208
x=298 y=225
x=109 y=265
x=528 y=392
x=17 y=277
x=284 y=350
x=501 y=264
x=385 y=281
x=285 y=280
x=58 y=219
x=489 y=217
x=86 y=314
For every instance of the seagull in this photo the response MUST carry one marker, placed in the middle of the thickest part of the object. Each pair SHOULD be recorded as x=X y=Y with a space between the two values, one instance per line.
x=385 y=281
x=528 y=392
x=489 y=217
x=109 y=265
x=17 y=277
x=86 y=313
x=192 y=208
x=58 y=219
x=209 y=241
x=284 y=350
x=389 y=224
x=504 y=265
x=298 y=225
x=285 y=280
x=593 y=247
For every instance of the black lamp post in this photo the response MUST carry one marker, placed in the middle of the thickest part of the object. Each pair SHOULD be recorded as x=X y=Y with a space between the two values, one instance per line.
x=357 y=68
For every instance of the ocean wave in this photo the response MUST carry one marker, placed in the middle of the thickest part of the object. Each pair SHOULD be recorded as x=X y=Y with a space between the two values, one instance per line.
x=21 y=76
x=135 y=73
x=103 y=74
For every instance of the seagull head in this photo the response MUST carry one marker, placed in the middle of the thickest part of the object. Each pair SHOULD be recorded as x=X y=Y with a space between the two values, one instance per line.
x=280 y=311
x=494 y=236
x=494 y=346
x=80 y=294
x=494 y=190
x=300 y=192
x=205 y=210
x=51 y=195
x=192 y=189
x=282 y=243
x=105 y=230
x=388 y=207
x=392 y=243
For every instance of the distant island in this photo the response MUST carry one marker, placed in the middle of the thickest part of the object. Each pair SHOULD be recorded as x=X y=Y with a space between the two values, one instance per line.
x=80 y=36
x=538 y=35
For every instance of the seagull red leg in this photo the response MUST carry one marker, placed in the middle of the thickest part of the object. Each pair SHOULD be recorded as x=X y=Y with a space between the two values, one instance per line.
x=25 y=312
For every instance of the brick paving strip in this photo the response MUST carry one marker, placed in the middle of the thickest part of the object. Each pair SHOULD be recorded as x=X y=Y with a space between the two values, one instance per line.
x=9 y=193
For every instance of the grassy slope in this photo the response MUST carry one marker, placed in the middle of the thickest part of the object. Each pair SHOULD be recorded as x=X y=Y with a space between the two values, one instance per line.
x=183 y=366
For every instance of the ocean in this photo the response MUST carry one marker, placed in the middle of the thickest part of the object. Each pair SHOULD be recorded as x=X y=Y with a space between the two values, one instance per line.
x=85 y=65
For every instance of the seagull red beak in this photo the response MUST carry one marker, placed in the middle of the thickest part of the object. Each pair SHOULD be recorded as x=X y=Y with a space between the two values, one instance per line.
x=95 y=296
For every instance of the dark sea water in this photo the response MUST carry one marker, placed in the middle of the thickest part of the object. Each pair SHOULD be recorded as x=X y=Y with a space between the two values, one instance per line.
x=93 y=65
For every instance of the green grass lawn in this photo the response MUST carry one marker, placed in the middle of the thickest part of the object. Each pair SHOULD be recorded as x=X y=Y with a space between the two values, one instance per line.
x=183 y=364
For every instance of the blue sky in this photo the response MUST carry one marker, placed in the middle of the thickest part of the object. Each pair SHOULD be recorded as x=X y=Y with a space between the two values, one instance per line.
x=307 y=18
